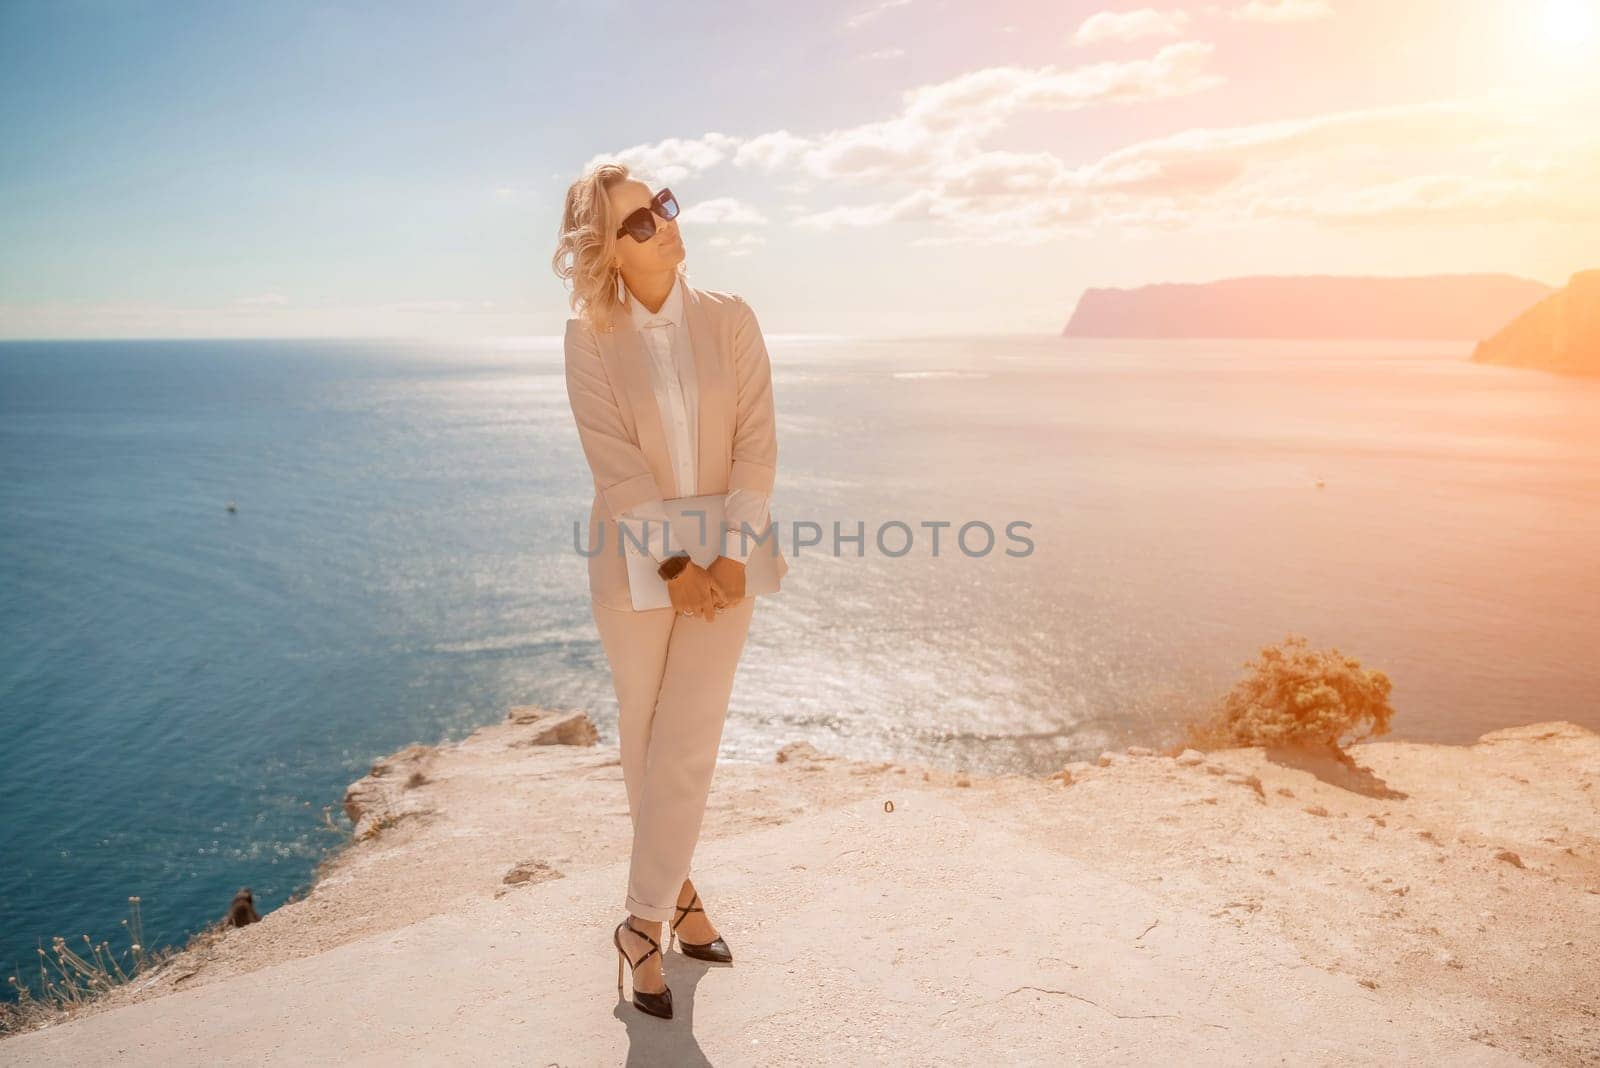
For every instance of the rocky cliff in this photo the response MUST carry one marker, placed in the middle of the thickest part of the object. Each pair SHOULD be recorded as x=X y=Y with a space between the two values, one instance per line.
x=1559 y=333
x=1423 y=904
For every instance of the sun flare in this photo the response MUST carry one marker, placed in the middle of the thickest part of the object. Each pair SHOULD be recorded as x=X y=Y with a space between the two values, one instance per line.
x=1569 y=25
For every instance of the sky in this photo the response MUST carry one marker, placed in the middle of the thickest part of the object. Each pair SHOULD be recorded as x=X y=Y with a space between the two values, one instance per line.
x=873 y=167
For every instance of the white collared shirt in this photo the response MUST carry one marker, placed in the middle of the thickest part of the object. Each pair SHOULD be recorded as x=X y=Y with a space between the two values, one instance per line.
x=676 y=387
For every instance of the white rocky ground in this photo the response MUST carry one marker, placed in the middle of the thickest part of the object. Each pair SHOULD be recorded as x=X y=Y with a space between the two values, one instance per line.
x=1241 y=907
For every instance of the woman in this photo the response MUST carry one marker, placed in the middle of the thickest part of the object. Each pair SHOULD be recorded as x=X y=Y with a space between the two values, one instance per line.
x=671 y=389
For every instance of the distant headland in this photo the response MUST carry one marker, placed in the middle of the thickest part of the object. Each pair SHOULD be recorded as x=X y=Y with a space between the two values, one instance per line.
x=1458 y=306
x=1559 y=333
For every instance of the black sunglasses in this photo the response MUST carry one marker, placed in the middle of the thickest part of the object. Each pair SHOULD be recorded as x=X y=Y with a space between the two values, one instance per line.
x=642 y=223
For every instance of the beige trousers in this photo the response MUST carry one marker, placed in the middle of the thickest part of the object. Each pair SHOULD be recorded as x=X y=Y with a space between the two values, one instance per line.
x=673 y=675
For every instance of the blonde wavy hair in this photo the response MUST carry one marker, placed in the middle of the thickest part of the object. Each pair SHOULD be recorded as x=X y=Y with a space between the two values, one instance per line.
x=587 y=243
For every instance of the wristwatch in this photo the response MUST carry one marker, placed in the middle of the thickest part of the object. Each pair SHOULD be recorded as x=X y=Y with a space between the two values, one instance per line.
x=672 y=565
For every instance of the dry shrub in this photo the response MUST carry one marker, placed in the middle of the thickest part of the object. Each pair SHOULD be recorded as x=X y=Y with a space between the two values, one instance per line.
x=1292 y=695
x=71 y=979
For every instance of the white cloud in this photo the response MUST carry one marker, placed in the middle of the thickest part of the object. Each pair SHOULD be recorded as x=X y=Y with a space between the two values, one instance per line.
x=738 y=245
x=946 y=120
x=1130 y=25
x=1004 y=174
x=1202 y=160
x=1473 y=161
x=726 y=211
x=1542 y=193
x=778 y=150
x=940 y=120
x=934 y=143
x=855 y=22
x=1440 y=162
x=675 y=158
x=1283 y=11
x=930 y=162
x=917 y=204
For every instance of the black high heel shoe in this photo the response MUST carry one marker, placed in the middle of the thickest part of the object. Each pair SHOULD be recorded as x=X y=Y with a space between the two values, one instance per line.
x=716 y=950
x=654 y=1004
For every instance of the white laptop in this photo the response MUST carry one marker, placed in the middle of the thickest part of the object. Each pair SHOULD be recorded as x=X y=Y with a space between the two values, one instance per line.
x=696 y=524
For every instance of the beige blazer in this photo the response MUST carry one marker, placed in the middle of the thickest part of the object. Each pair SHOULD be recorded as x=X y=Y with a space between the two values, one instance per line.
x=619 y=425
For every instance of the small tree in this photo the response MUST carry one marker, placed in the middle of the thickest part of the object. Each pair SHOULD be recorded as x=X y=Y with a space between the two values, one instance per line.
x=1295 y=696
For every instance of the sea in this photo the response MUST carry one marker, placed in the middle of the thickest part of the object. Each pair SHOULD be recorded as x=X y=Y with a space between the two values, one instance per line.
x=237 y=572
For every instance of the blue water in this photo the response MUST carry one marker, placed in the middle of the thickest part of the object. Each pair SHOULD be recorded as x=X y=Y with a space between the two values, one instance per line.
x=186 y=691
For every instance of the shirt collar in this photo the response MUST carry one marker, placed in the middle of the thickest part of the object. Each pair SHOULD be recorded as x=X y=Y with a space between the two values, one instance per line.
x=671 y=310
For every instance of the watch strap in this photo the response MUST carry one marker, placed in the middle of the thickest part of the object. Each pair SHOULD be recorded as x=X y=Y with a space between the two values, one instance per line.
x=673 y=565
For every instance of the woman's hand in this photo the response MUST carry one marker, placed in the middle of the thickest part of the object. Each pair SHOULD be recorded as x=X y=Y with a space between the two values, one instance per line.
x=729 y=576
x=695 y=592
